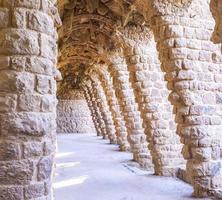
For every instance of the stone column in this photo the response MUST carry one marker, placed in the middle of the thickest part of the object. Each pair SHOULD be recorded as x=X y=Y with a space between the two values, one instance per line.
x=97 y=109
x=193 y=71
x=93 y=114
x=105 y=111
x=152 y=97
x=129 y=109
x=28 y=54
x=121 y=131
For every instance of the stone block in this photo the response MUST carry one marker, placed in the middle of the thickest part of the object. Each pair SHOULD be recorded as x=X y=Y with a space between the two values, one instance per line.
x=205 y=56
x=29 y=102
x=4 y=62
x=34 y=149
x=18 y=41
x=27 y=124
x=40 y=65
x=28 y=3
x=34 y=191
x=19 y=18
x=201 y=154
x=8 y=81
x=40 y=22
x=174 y=31
x=18 y=63
x=8 y=102
x=16 y=172
x=178 y=53
x=11 y=193
x=48 y=47
x=4 y=17
x=48 y=103
x=25 y=82
x=43 y=84
x=45 y=168
x=186 y=75
x=9 y=151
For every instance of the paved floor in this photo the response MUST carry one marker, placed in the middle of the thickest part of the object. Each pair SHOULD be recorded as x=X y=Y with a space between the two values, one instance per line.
x=88 y=168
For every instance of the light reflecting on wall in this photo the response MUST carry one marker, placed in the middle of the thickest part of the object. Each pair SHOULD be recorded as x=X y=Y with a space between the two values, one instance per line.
x=70 y=182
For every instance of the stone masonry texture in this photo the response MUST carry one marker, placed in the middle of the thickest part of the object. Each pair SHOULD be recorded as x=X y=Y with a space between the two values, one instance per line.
x=145 y=75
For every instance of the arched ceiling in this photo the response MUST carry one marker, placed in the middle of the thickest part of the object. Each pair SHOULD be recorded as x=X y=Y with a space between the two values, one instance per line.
x=87 y=31
x=90 y=29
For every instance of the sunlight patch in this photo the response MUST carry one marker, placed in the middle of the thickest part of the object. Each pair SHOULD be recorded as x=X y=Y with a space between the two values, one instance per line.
x=65 y=154
x=67 y=164
x=70 y=182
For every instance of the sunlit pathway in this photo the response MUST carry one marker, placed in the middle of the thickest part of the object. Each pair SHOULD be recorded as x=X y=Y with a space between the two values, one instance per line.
x=88 y=168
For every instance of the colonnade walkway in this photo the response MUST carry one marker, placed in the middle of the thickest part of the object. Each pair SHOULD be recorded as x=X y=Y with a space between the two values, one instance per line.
x=89 y=168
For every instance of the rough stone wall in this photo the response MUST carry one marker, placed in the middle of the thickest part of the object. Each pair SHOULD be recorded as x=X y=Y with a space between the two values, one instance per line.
x=28 y=54
x=73 y=114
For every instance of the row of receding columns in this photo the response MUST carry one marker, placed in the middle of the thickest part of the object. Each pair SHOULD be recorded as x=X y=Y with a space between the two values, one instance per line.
x=142 y=94
x=27 y=92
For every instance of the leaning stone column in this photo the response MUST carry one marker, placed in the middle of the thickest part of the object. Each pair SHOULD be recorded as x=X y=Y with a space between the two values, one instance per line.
x=97 y=109
x=193 y=72
x=121 y=131
x=152 y=97
x=129 y=109
x=93 y=114
x=28 y=54
x=105 y=111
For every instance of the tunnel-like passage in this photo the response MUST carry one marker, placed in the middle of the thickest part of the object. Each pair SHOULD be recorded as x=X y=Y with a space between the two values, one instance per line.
x=145 y=75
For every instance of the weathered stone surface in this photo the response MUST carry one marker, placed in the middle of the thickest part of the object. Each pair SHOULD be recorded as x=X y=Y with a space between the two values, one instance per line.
x=11 y=193
x=4 y=17
x=8 y=102
x=27 y=98
x=34 y=191
x=32 y=124
x=40 y=22
x=18 y=41
x=73 y=116
x=9 y=151
x=45 y=168
x=108 y=49
x=33 y=149
x=16 y=172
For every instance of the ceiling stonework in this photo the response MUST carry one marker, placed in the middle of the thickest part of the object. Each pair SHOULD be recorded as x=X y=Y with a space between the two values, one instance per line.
x=91 y=28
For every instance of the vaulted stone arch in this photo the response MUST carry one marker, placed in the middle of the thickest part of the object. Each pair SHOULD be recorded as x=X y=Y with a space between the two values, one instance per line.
x=94 y=35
